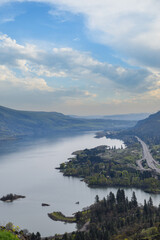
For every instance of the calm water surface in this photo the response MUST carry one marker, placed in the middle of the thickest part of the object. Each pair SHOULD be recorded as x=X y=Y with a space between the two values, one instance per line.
x=30 y=171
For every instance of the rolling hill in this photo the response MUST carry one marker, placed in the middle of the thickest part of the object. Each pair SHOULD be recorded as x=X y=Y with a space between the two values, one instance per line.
x=16 y=123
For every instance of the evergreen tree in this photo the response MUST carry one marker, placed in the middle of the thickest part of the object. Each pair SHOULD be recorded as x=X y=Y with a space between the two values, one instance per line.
x=145 y=208
x=134 y=200
x=97 y=199
x=150 y=202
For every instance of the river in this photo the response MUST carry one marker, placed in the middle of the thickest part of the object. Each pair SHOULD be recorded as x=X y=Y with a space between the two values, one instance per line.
x=29 y=169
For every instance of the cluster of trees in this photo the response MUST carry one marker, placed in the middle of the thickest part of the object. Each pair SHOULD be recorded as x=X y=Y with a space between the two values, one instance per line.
x=102 y=166
x=143 y=180
x=116 y=217
x=34 y=236
x=155 y=151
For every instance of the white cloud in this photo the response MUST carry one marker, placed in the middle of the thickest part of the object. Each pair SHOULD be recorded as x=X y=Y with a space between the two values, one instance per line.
x=68 y=63
x=88 y=94
x=70 y=77
x=132 y=27
x=8 y=76
x=9 y=19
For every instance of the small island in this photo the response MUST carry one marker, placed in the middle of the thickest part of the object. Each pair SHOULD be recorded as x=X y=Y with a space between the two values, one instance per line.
x=11 y=197
x=45 y=205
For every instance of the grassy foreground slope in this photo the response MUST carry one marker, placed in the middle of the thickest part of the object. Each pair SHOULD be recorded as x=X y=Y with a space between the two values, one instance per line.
x=5 y=235
x=15 y=123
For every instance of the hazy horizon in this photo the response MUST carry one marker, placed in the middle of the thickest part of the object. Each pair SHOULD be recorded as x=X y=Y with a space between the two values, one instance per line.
x=78 y=115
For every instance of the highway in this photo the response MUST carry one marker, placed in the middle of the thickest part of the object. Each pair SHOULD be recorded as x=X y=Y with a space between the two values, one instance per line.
x=152 y=164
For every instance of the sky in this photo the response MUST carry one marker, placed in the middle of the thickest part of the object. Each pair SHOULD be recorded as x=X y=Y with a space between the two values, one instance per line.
x=94 y=57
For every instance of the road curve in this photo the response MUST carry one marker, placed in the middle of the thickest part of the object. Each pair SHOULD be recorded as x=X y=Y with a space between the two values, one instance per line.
x=152 y=164
x=139 y=163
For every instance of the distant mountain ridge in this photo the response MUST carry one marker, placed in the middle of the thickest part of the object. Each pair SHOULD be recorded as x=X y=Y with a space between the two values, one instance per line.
x=16 y=123
x=128 y=117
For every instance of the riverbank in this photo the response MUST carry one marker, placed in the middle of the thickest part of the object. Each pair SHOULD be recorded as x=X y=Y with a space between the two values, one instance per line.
x=110 y=167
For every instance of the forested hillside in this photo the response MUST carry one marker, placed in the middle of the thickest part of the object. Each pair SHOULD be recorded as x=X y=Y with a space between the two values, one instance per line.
x=117 y=218
x=14 y=123
x=149 y=128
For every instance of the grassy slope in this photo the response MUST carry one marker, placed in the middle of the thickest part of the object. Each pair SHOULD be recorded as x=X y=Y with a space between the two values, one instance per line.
x=5 y=235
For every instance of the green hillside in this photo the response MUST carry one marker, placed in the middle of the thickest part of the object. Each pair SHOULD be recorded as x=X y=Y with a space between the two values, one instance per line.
x=15 y=123
x=149 y=128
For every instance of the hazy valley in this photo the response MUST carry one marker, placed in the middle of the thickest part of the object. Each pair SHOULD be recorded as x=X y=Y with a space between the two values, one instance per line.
x=99 y=162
